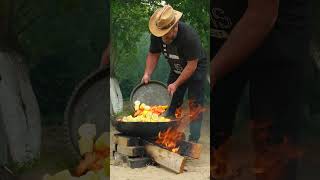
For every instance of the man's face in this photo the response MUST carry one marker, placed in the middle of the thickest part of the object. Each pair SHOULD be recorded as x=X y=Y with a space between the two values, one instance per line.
x=171 y=35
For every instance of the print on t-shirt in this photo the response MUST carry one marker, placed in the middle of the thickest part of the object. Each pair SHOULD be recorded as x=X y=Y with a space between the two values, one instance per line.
x=171 y=53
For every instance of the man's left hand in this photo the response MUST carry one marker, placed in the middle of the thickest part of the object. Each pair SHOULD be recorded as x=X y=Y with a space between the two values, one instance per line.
x=172 y=88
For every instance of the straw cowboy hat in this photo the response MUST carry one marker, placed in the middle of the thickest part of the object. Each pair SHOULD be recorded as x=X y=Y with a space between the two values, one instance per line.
x=163 y=19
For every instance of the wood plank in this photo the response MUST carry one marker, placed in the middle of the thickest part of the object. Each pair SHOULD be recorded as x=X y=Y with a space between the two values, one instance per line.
x=138 y=162
x=166 y=158
x=190 y=149
x=133 y=151
x=125 y=140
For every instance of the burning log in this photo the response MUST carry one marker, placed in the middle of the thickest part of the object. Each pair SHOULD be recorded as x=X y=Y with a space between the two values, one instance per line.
x=166 y=158
x=173 y=140
x=170 y=138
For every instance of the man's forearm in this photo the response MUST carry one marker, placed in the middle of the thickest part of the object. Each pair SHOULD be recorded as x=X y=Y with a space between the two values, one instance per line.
x=151 y=63
x=187 y=72
x=246 y=36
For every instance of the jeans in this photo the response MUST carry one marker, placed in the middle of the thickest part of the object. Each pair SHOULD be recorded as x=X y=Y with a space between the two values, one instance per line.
x=195 y=96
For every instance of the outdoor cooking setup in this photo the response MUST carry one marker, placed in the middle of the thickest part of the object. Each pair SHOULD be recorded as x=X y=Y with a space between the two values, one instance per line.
x=147 y=137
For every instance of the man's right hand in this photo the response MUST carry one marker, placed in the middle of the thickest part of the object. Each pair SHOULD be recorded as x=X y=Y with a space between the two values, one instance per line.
x=145 y=79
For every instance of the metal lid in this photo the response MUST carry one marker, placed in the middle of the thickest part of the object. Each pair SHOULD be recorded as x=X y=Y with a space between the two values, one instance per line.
x=153 y=93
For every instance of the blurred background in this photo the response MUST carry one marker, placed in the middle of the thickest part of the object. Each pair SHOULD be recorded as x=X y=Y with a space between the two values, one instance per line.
x=58 y=43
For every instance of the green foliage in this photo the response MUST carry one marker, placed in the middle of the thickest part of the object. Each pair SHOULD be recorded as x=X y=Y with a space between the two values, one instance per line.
x=130 y=37
x=196 y=13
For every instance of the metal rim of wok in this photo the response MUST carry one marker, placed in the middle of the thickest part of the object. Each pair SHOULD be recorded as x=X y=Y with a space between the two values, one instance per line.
x=77 y=93
x=151 y=82
x=142 y=129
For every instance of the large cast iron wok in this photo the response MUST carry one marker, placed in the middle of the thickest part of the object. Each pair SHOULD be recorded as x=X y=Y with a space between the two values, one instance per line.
x=153 y=93
x=142 y=129
x=88 y=105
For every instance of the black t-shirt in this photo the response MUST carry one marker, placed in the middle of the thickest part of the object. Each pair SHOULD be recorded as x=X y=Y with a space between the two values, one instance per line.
x=288 y=39
x=185 y=47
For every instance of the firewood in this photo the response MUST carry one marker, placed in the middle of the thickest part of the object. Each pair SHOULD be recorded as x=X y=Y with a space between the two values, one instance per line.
x=166 y=158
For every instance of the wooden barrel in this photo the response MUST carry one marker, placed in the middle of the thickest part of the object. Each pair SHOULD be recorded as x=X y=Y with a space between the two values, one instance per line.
x=89 y=103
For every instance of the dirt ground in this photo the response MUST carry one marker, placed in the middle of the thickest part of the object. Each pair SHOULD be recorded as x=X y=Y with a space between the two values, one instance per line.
x=195 y=169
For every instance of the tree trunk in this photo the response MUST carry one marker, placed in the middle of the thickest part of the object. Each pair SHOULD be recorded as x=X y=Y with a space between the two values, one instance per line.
x=19 y=109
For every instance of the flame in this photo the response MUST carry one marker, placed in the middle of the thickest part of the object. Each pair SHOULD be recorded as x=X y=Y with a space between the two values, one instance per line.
x=170 y=138
x=195 y=110
x=175 y=150
x=178 y=113
x=186 y=117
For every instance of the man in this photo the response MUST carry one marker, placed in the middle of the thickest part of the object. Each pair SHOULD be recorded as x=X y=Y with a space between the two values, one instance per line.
x=264 y=43
x=181 y=46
